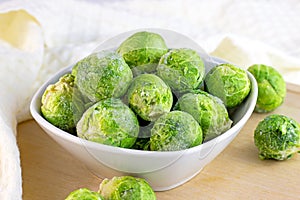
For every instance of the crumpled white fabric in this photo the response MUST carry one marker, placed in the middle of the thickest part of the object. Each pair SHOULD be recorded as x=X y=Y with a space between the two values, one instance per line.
x=39 y=37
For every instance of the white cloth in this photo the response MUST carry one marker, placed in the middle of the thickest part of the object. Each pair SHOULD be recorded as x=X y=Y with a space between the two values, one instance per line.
x=39 y=37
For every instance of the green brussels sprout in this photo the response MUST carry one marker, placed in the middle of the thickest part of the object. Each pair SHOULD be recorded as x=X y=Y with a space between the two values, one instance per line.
x=142 y=51
x=228 y=82
x=84 y=194
x=109 y=122
x=277 y=137
x=271 y=87
x=149 y=97
x=182 y=69
x=126 y=188
x=102 y=75
x=62 y=104
x=208 y=110
x=175 y=131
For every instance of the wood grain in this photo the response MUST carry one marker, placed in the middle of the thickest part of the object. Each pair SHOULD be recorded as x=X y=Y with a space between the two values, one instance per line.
x=50 y=172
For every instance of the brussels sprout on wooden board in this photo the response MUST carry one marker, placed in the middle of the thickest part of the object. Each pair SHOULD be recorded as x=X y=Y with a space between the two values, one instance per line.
x=126 y=188
x=271 y=87
x=84 y=194
x=117 y=188
x=277 y=137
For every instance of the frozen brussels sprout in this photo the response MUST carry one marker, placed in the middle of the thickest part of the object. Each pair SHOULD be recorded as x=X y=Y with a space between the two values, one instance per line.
x=102 y=75
x=175 y=131
x=228 y=82
x=182 y=69
x=109 y=122
x=126 y=188
x=277 y=137
x=208 y=110
x=271 y=87
x=142 y=51
x=84 y=194
x=149 y=97
x=62 y=104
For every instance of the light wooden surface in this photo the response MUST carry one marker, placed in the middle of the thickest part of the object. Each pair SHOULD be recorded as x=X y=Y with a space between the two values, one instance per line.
x=50 y=172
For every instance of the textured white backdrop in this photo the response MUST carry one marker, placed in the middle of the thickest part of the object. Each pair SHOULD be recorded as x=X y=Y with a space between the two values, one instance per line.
x=39 y=37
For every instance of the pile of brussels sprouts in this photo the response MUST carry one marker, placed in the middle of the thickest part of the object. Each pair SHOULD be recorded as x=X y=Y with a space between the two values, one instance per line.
x=277 y=136
x=117 y=188
x=145 y=96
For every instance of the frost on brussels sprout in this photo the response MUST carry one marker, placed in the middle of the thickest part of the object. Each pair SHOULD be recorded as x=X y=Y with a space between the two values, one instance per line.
x=277 y=137
x=62 y=104
x=126 y=188
x=84 y=194
x=182 y=69
x=109 y=122
x=271 y=87
x=149 y=97
x=228 y=82
x=102 y=75
x=208 y=110
x=142 y=51
x=174 y=131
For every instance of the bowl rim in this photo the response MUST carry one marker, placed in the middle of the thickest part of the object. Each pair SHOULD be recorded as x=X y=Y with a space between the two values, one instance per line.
x=36 y=114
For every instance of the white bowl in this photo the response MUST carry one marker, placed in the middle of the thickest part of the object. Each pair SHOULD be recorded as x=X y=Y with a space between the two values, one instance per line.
x=163 y=170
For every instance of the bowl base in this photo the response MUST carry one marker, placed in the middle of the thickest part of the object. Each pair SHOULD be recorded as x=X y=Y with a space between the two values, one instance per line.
x=161 y=189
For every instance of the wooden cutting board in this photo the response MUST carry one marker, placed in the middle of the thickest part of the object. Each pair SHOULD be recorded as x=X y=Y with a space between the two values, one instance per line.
x=50 y=172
